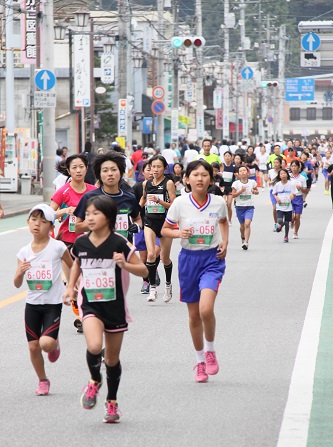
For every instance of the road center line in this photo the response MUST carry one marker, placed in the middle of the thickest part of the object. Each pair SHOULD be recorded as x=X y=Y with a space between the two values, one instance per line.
x=296 y=418
x=13 y=299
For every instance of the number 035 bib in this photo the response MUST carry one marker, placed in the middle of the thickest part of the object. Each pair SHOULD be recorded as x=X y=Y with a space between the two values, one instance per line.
x=100 y=284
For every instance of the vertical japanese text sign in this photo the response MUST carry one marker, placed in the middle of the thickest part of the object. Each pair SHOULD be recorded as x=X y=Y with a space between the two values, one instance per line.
x=28 y=32
x=82 y=70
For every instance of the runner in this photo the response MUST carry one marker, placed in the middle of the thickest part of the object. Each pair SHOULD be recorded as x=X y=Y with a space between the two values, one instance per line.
x=109 y=169
x=228 y=175
x=262 y=162
x=284 y=192
x=40 y=263
x=158 y=194
x=64 y=202
x=242 y=191
x=300 y=189
x=272 y=173
x=326 y=161
x=177 y=177
x=104 y=258
x=307 y=172
x=139 y=238
x=203 y=229
x=2 y=212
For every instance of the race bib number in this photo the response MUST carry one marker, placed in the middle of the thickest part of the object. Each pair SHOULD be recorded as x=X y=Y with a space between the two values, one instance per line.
x=40 y=277
x=285 y=200
x=245 y=197
x=202 y=232
x=71 y=223
x=227 y=176
x=99 y=284
x=155 y=208
x=122 y=224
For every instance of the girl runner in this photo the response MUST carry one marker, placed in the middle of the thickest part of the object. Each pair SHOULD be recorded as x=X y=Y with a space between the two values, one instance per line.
x=40 y=263
x=64 y=202
x=104 y=258
x=242 y=191
x=284 y=193
x=203 y=229
x=326 y=161
x=272 y=173
x=158 y=194
x=262 y=162
x=307 y=172
x=139 y=238
x=300 y=189
x=177 y=177
x=228 y=175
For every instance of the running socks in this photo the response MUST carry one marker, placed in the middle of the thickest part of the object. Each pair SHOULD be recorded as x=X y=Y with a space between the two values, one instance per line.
x=168 y=273
x=209 y=346
x=94 y=364
x=151 y=266
x=113 y=375
x=158 y=258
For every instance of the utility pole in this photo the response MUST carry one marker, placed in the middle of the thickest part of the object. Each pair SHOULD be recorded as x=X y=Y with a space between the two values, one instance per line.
x=175 y=69
x=160 y=27
x=92 y=87
x=129 y=83
x=200 y=90
x=282 y=58
x=10 y=105
x=226 y=73
x=49 y=113
x=245 y=82
x=122 y=74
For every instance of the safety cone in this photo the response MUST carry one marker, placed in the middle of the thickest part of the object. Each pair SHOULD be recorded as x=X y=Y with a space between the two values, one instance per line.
x=258 y=181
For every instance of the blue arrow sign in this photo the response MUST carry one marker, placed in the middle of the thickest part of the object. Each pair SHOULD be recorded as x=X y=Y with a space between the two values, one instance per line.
x=299 y=89
x=247 y=73
x=311 y=42
x=45 y=80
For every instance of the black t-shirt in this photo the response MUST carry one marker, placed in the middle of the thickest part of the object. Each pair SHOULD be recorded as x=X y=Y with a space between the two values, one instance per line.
x=125 y=201
x=98 y=259
x=90 y=176
x=138 y=192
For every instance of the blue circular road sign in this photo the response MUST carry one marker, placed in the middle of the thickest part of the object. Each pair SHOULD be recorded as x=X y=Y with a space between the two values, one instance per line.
x=45 y=80
x=311 y=42
x=247 y=73
x=158 y=107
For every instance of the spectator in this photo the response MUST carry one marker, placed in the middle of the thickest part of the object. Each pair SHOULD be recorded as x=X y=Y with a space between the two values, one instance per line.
x=170 y=156
x=136 y=157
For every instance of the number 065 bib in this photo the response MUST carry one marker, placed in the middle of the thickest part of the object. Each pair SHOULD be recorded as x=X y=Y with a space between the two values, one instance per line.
x=39 y=277
x=99 y=284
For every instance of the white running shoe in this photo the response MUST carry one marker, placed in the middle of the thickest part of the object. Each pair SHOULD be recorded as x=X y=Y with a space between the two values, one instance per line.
x=152 y=295
x=167 y=293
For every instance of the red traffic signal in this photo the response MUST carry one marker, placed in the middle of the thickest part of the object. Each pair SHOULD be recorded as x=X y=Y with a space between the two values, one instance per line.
x=272 y=84
x=188 y=41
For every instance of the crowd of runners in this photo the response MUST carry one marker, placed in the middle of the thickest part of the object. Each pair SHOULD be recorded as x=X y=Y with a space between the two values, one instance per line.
x=190 y=193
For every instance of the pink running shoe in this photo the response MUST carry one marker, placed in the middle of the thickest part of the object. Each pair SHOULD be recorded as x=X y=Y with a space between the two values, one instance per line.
x=212 y=366
x=90 y=393
x=54 y=355
x=43 y=388
x=201 y=375
x=112 y=413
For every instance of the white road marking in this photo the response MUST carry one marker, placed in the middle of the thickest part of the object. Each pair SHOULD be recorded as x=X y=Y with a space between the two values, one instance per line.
x=296 y=418
x=13 y=231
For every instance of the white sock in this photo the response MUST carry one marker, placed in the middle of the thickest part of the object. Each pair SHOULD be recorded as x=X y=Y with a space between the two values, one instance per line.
x=209 y=346
x=200 y=355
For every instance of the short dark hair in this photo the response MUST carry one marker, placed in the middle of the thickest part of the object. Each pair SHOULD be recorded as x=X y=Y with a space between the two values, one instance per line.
x=114 y=156
x=107 y=206
x=193 y=165
x=159 y=157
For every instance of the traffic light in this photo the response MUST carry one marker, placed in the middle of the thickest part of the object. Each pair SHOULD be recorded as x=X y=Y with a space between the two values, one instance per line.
x=265 y=84
x=188 y=41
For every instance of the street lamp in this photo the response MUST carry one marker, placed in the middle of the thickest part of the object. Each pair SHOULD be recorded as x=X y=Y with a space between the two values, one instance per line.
x=59 y=31
x=82 y=18
x=108 y=46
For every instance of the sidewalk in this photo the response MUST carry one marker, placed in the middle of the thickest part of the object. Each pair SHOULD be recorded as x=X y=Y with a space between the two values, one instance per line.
x=15 y=204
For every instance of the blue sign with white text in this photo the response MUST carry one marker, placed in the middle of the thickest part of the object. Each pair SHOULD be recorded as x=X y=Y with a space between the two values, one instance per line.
x=298 y=89
x=147 y=125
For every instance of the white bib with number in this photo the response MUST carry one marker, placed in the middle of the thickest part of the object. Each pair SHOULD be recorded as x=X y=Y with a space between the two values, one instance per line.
x=100 y=284
x=202 y=231
x=122 y=224
x=71 y=223
x=40 y=277
x=155 y=208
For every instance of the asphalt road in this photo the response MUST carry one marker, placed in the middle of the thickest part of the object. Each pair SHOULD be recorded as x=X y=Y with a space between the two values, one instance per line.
x=260 y=312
